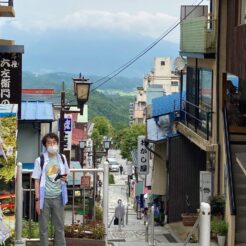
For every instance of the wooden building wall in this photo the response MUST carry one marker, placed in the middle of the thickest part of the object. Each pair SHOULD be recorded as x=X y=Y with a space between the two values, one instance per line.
x=236 y=41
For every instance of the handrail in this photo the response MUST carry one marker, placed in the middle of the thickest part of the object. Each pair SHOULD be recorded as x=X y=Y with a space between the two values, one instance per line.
x=195 y=117
x=229 y=165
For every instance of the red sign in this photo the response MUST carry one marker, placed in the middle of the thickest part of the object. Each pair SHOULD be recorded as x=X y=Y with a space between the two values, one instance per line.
x=85 y=182
x=38 y=91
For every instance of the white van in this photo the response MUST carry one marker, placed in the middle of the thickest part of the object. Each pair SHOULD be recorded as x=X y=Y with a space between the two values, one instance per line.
x=113 y=165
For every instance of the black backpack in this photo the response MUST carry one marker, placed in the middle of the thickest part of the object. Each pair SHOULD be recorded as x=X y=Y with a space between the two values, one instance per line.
x=42 y=160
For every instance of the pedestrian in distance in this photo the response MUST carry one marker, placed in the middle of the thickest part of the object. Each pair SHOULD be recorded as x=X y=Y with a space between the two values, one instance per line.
x=50 y=175
x=121 y=169
x=119 y=213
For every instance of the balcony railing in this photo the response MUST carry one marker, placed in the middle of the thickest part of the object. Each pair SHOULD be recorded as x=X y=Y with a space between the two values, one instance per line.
x=9 y=3
x=197 y=118
x=198 y=35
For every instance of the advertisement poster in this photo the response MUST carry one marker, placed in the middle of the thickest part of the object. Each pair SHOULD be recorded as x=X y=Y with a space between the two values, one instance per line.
x=8 y=130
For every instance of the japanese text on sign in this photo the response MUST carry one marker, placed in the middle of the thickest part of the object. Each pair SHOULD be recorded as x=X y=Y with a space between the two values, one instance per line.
x=143 y=156
x=6 y=66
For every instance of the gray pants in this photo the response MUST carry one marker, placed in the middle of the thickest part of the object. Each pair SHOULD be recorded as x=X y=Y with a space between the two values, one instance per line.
x=52 y=207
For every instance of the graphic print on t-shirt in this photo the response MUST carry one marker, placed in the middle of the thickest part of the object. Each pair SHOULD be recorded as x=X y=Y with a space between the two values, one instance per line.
x=52 y=173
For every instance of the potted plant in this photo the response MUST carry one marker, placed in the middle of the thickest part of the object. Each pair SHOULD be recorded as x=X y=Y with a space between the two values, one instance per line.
x=219 y=227
x=90 y=234
x=217 y=204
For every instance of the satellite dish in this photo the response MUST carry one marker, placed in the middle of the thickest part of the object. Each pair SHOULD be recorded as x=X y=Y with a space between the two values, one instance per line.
x=179 y=63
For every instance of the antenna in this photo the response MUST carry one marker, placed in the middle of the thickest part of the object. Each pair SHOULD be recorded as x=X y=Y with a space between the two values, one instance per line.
x=179 y=63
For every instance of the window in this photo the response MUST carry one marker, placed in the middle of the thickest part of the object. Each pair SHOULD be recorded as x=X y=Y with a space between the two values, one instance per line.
x=162 y=63
x=174 y=83
x=242 y=12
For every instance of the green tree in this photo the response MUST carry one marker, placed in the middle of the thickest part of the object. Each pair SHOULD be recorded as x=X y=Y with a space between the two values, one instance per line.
x=102 y=127
x=127 y=139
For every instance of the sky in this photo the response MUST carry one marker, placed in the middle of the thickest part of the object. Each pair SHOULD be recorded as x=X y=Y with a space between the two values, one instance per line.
x=92 y=36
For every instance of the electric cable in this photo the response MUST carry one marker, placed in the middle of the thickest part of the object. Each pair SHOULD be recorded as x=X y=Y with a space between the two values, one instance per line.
x=143 y=52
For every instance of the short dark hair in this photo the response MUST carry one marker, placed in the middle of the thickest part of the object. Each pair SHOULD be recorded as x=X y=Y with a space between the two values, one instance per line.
x=49 y=135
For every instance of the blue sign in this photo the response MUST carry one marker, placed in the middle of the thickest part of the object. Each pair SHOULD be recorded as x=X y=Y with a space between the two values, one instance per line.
x=67 y=125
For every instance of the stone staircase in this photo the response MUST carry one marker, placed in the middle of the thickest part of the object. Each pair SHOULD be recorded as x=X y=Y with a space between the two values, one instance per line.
x=240 y=194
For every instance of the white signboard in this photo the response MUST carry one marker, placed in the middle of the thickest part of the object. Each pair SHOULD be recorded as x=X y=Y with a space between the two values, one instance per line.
x=205 y=186
x=89 y=153
x=143 y=157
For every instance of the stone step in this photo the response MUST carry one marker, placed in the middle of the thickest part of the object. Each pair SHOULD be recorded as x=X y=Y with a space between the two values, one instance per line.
x=240 y=189
x=240 y=236
x=240 y=223
x=240 y=200
x=241 y=211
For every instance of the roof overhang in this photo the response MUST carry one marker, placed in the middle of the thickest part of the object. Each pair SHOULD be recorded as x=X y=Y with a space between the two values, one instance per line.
x=198 y=55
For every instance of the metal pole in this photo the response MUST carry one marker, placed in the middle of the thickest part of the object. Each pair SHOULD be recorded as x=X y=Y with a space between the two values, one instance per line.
x=84 y=200
x=147 y=231
x=73 y=199
x=62 y=122
x=152 y=238
x=204 y=224
x=127 y=214
x=19 y=206
x=105 y=200
x=94 y=182
x=30 y=205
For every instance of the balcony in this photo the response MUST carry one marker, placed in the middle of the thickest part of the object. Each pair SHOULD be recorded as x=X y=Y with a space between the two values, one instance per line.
x=198 y=36
x=6 y=8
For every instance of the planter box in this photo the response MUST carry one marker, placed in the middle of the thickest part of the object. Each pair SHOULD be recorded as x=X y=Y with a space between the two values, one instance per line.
x=84 y=242
x=189 y=219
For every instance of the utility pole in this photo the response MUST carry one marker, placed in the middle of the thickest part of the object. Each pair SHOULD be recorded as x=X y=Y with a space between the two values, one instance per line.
x=62 y=120
x=94 y=181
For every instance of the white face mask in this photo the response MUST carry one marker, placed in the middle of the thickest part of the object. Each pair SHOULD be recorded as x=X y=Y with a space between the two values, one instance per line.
x=52 y=149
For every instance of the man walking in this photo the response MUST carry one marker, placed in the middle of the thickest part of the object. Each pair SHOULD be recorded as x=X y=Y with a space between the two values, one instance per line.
x=121 y=169
x=50 y=173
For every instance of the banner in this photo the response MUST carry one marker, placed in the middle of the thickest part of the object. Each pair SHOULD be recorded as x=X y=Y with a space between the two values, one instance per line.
x=8 y=130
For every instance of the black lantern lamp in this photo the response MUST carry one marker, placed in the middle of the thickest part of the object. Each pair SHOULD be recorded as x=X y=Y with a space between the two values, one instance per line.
x=81 y=91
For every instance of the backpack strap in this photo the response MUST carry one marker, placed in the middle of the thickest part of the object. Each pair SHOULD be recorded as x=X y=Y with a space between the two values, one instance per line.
x=41 y=161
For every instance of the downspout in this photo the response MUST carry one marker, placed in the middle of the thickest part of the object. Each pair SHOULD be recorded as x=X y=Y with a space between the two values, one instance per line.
x=218 y=95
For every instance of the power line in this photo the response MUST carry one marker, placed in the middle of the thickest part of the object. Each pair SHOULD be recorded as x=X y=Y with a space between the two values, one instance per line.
x=143 y=52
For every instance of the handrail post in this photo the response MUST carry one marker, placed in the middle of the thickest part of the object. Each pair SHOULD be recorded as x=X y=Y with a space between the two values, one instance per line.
x=152 y=239
x=18 y=206
x=105 y=200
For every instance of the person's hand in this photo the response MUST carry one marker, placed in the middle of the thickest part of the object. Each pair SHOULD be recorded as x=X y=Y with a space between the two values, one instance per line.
x=64 y=178
x=38 y=207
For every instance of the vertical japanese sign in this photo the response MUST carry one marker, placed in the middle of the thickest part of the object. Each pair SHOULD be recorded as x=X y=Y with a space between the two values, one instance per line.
x=143 y=157
x=67 y=132
x=10 y=78
x=89 y=153
x=8 y=129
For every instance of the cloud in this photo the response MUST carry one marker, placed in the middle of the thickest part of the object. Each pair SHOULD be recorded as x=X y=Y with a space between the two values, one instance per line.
x=141 y=23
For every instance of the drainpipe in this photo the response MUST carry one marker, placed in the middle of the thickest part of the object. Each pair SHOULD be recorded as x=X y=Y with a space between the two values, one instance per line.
x=218 y=95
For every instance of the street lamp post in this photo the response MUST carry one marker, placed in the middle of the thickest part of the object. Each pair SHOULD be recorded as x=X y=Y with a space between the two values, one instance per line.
x=81 y=91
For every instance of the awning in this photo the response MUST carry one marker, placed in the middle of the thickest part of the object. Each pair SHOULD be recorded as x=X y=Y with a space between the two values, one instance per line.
x=37 y=111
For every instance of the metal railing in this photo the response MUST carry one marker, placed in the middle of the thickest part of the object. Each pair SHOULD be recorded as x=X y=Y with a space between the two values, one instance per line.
x=9 y=3
x=20 y=191
x=198 y=118
x=229 y=164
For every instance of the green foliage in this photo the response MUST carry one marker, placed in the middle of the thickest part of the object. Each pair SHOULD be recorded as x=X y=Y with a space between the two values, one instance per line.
x=219 y=227
x=127 y=139
x=111 y=179
x=113 y=107
x=99 y=213
x=96 y=230
x=26 y=225
x=217 y=204
x=8 y=135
